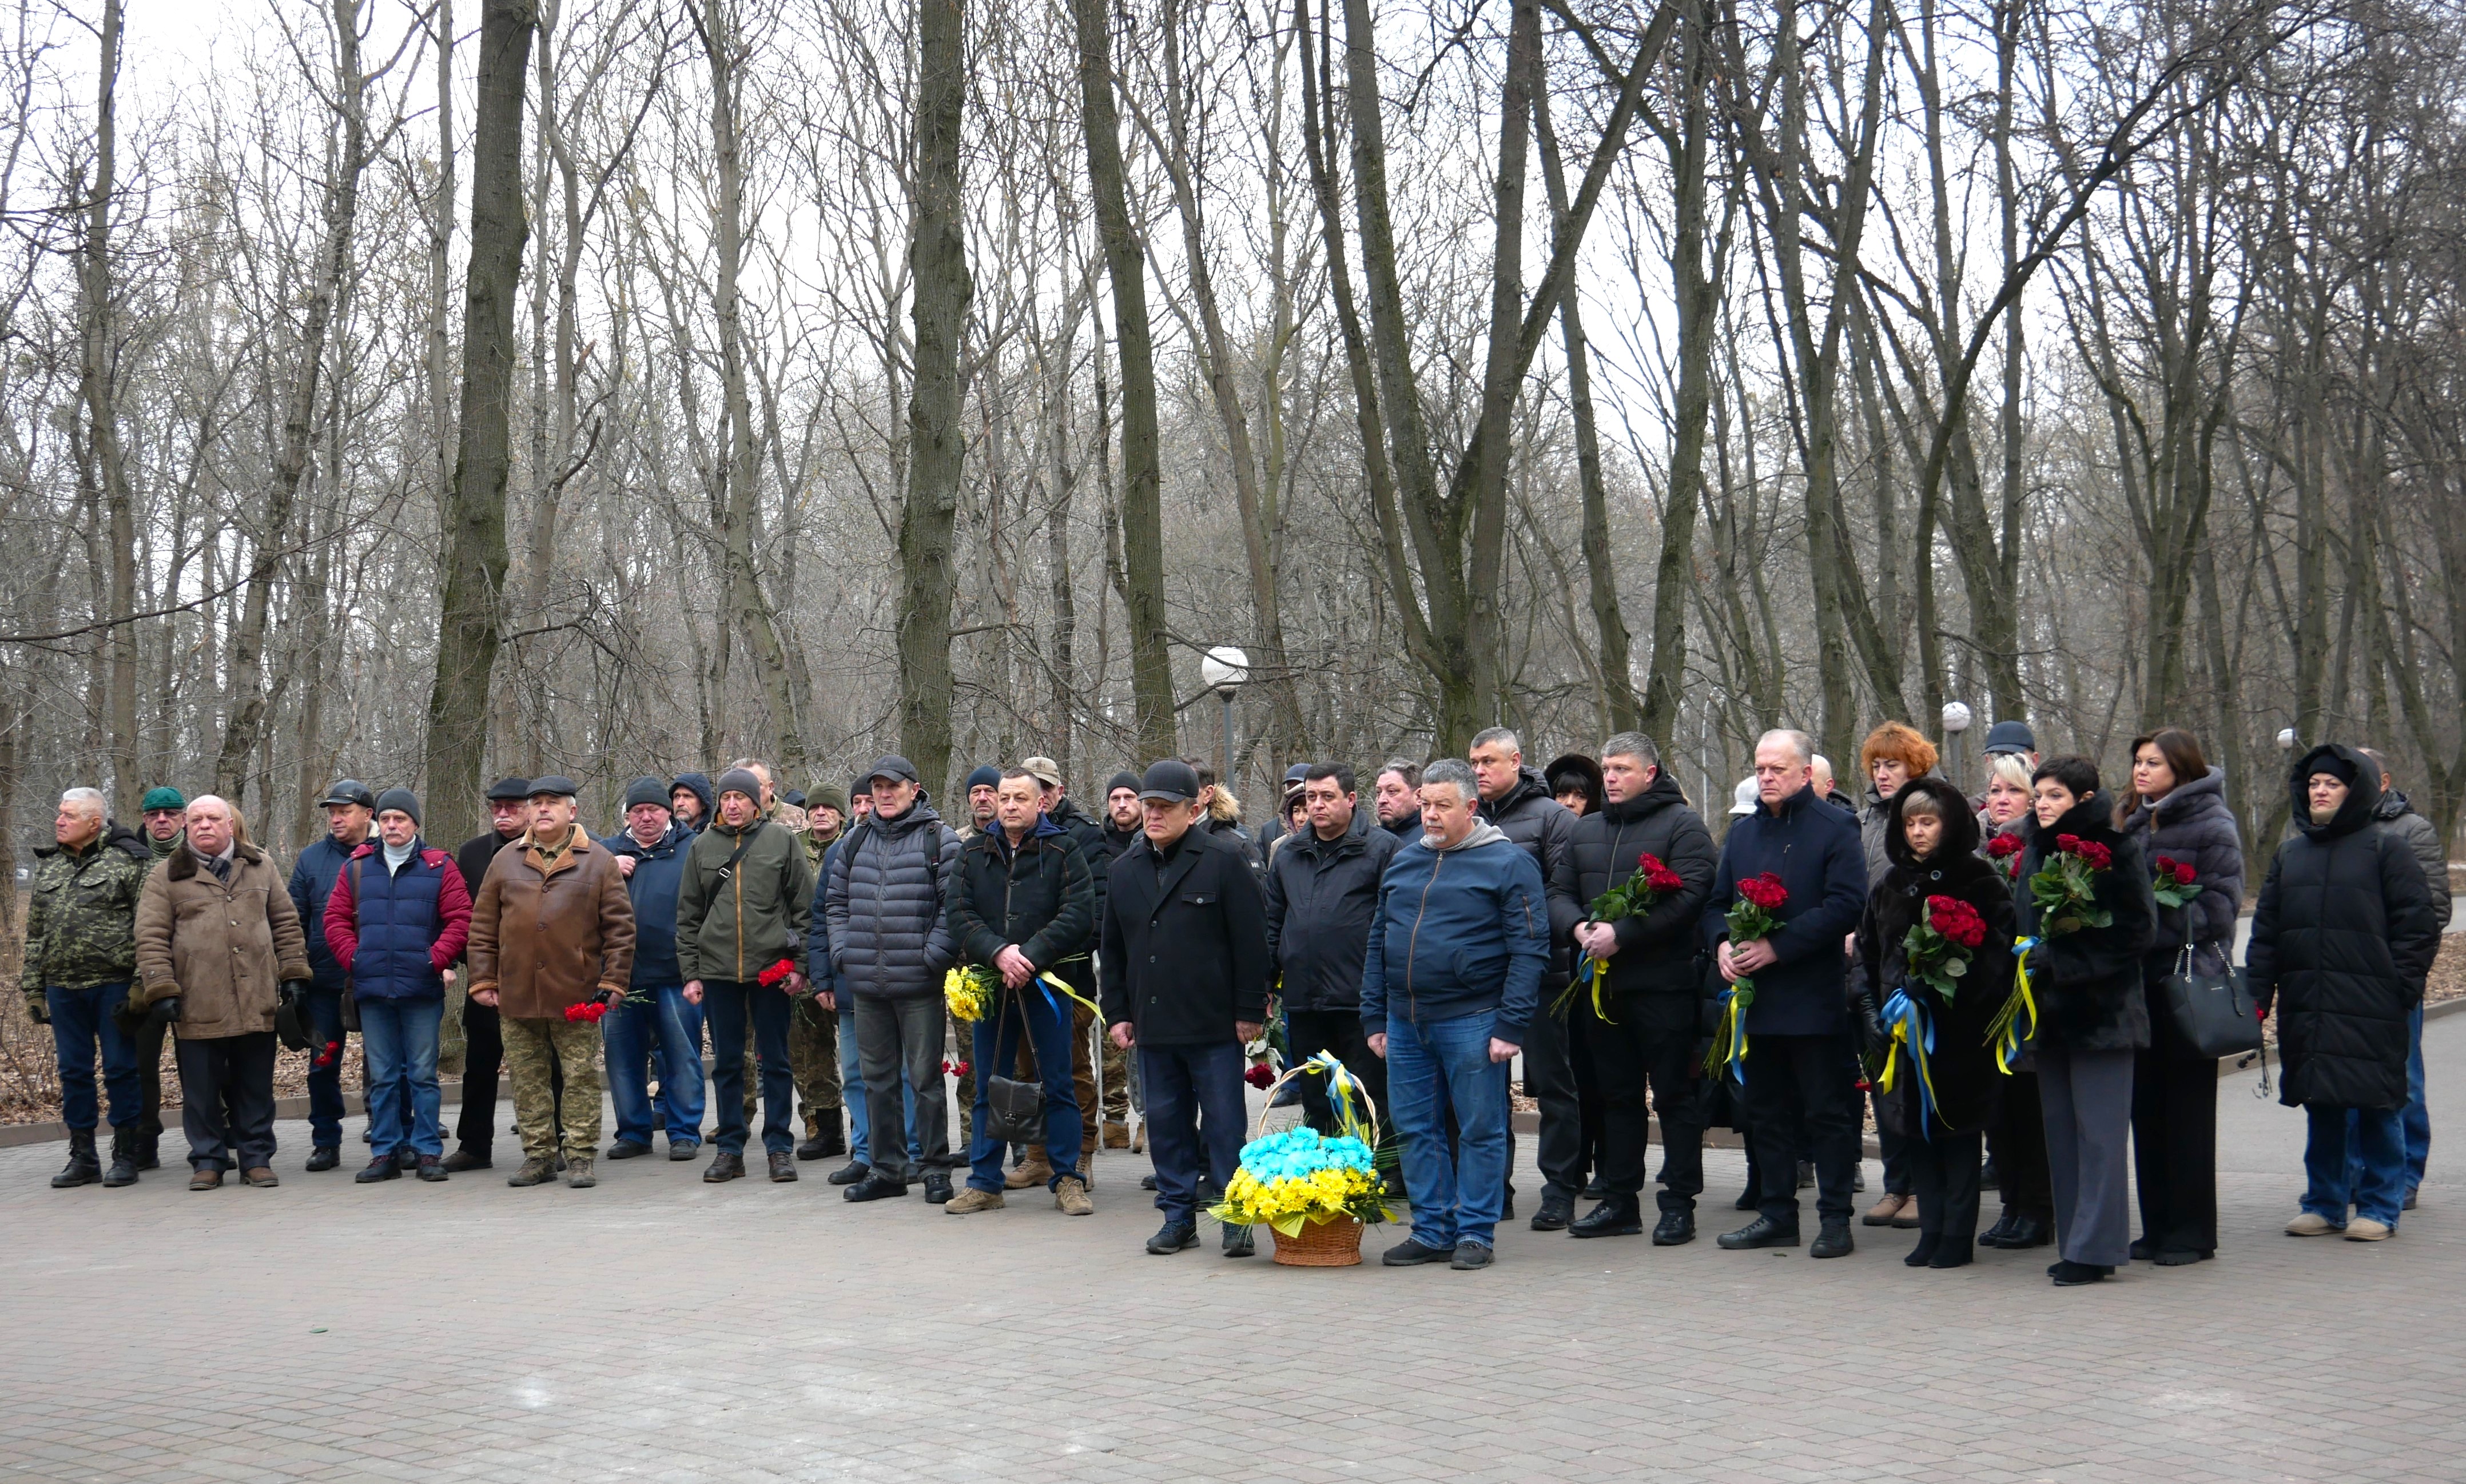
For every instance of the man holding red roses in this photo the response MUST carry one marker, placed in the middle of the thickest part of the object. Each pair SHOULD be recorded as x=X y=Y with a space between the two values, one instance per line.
x=1798 y=1062
x=741 y=917
x=1645 y=863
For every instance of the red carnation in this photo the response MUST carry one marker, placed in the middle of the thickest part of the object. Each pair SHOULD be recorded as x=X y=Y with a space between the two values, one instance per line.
x=1764 y=890
x=775 y=974
x=588 y=1010
x=956 y=1068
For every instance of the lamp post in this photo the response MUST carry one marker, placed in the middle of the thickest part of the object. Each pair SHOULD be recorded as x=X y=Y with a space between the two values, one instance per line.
x=1956 y=721
x=1224 y=668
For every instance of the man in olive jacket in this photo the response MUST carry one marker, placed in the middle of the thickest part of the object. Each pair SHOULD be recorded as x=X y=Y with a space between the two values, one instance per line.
x=217 y=938
x=80 y=954
x=1184 y=966
x=741 y=915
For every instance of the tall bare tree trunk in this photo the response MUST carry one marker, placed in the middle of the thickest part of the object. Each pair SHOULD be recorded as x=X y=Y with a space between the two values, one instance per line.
x=1142 y=502
x=468 y=626
x=440 y=256
x=103 y=421
x=938 y=262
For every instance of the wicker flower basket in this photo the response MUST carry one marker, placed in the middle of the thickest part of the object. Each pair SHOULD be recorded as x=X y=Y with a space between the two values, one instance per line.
x=1335 y=1244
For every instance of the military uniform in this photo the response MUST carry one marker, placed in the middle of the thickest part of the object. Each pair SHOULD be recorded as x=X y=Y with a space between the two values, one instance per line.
x=813 y=1033
x=80 y=956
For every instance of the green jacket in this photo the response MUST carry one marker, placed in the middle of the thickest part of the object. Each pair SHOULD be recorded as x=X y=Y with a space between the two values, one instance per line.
x=82 y=928
x=735 y=926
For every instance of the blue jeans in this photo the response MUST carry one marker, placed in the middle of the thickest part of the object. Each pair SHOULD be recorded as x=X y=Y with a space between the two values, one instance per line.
x=1047 y=1017
x=398 y=1039
x=80 y=1018
x=661 y=1035
x=852 y=1093
x=1194 y=1110
x=728 y=1003
x=326 y=1073
x=2377 y=1145
x=1432 y=1070
x=2417 y=1116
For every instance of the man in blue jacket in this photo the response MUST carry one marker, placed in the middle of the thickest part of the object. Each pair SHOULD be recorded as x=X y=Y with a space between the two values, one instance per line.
x=1798 y=1063
x=350 y=808
x=1449 y=994
x=655 y=1025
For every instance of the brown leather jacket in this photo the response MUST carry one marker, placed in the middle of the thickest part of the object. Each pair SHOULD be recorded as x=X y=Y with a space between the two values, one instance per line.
x=546 y=935
x=222 y=946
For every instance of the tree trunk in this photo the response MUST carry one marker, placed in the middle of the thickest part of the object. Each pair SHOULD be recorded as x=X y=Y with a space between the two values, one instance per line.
x=468 y=626
x=938 y=264
x=102 y=423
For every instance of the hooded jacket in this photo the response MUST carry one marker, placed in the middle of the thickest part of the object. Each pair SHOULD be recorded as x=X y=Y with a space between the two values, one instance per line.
x=699 y=783
x=549 y=934
x=2088 y=982
x=1657 y=950
x=1460 y=931
x=1037 y=895
x=1961 y=1066
x=1322 y=895
x=1529 y=817
x=2397 y=814
x=1183 y=957
x=395 y=933
x=887 y=905
x=735 y=921
x=222 y=946
x=2340 y=942
x=1813 y=846
x=81 y=922
x=659 y=876
x=2194 y=824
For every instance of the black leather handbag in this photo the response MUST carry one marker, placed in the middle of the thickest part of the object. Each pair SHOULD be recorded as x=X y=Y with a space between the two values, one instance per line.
x=1014 y=1107
x=2213 y=1013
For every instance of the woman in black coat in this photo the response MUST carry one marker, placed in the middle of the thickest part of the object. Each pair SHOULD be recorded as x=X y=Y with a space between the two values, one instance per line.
x=2177 y=811
x=2340 y=942
x=2093 y=1017
x=1931 y=841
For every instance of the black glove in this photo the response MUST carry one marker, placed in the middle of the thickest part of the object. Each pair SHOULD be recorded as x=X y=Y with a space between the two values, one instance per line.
x=1870 y=1028
x=164 y=1011
x=292 y=1026
x=39 y=1008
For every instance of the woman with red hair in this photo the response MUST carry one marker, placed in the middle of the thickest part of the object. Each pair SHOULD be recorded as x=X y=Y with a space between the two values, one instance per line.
x=1892 y=754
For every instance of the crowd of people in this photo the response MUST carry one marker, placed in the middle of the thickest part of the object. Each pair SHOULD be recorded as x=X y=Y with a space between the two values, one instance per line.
x=2000 y=979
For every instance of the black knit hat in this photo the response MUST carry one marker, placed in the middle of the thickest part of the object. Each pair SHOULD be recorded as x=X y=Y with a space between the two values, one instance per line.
x=401 y=799
x=646 y=791
x=1125 y=779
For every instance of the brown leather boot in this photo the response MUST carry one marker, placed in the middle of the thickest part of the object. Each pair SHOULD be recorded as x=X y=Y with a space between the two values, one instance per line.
x=1038 y=1171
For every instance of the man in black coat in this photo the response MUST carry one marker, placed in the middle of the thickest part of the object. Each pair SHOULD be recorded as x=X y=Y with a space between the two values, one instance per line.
x=1184 y=968
x=1645 y=1027
x=483 y=1053
x=1515 y=801
x=2340 y=943
x=1397 y=793
x=1322 y=893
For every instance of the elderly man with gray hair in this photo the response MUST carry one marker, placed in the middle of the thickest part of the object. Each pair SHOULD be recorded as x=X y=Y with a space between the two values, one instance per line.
x=81 y=954
x=217 y=938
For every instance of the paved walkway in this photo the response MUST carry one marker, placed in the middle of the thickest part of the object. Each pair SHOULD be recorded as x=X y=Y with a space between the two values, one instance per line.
x=660 y=1329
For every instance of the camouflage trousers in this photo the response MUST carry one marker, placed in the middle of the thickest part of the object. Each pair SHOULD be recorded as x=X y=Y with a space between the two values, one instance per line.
x=812 y=1060
x=535 y=1049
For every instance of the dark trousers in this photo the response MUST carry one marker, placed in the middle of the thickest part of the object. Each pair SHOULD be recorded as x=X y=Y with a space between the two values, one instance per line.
x=1943 y=1175
x=727 y=1004
x=1798 y=1083
x=1550 y=1080
x=85 y=1021
x=2175 y=1140
x=899 y=1045
x=2085 y=1098
x=1195 y=1111
x=2017 y=1134
x=1648 y=1040
x=1031 y=1035
x=324 y=1069
x=1589 y=1103
x=1308 y=1033
x=227 y=1100
x=483 y=1061
x=150 y=1079
x=1895 y=1147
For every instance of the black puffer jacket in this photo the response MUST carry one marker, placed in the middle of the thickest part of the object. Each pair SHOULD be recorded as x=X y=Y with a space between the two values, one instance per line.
x=1657 y=950
x=1039 y=896
x=1089 y=836
x=1530 y=817
x=2399 y=816
x=1961 y=1066
x=2087 y=981
x=2193 y=825
x=886 y=905
x=2340 y=942
x=1321 y=897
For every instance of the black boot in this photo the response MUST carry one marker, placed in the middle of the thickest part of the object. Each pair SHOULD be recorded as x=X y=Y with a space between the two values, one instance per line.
x=1617 y=1216
x=2029 y=1231
x=149 y=1149
x=82 y=1168
x=1996 y=1235
x=1557 y=1211
x=1763 y=1232
x=124 y=1157
x=831 y=1141
x=1833 y=1240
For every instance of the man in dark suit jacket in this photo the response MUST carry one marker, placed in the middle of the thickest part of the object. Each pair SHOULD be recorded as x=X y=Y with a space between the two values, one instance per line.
x=1184 y=960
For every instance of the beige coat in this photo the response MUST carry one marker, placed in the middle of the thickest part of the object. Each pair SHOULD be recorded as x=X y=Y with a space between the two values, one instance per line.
x=223 y=948
x=546 y=935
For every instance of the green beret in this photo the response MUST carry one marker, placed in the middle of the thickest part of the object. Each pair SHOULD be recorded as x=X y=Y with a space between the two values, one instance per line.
x=163 y=798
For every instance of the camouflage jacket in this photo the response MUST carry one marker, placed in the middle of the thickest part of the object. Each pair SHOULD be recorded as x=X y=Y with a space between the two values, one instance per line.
x=82 y=928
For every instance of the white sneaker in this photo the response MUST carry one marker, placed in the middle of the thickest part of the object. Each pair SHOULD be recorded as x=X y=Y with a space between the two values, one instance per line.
x=2362 y=1228
x=2312 y=1225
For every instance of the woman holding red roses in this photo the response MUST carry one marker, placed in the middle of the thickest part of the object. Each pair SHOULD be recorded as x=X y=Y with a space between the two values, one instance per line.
x=2177 y=809
x=1936 y=944
x=2084 y=897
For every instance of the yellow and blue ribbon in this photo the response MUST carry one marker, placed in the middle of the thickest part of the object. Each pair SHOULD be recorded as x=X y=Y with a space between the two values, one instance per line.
x=1730 y=1036
x=1051 y=985
x=2016 y=1024
x=1598 y=974
x=1344 y=1094
x=1913 y=1038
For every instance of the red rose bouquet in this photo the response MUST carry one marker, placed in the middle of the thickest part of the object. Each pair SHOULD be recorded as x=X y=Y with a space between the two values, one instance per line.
x=1633 y=897
x=1945 y=942
x=2065 y=887
x=1752 y=914
x=2178 y=882
x=2007 y=848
